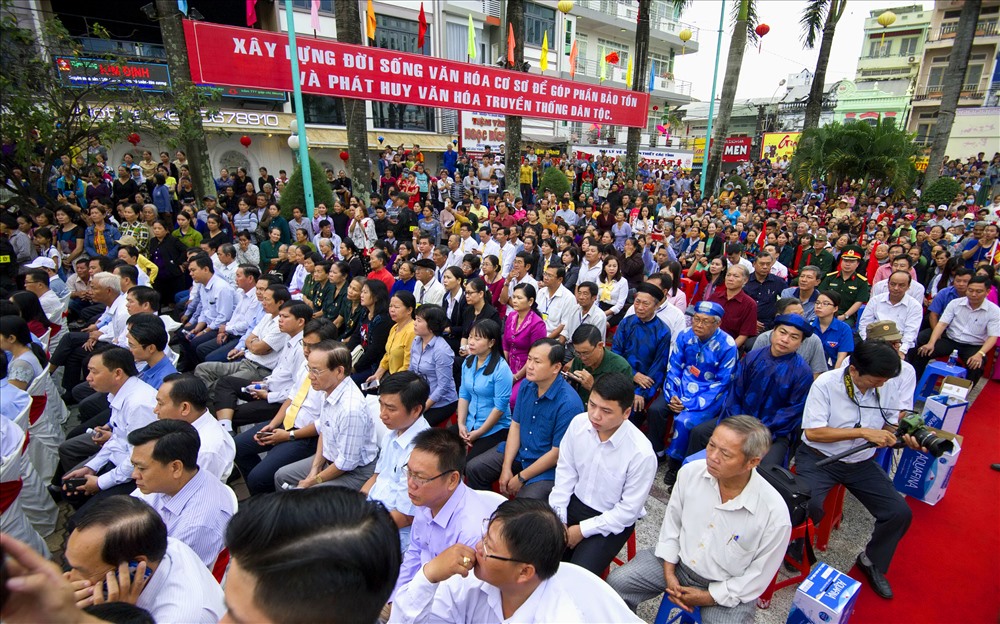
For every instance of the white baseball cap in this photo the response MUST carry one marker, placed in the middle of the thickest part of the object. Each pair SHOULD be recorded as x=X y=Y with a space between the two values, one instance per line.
x=42 y=262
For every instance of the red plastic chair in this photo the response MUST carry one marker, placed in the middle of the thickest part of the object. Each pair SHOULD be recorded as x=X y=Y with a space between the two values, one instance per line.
x=802 y=532
x=630 y=549
x=833 y=514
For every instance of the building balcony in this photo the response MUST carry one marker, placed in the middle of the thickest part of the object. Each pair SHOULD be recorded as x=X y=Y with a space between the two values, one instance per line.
x=95 y=46
x=678 y=91
x=948 y=31
x=932 y=94
x=663 y=27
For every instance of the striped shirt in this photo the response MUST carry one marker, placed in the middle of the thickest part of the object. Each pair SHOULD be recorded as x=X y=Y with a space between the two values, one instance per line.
x=182 y=589
x=131 y=408
x=346 y=428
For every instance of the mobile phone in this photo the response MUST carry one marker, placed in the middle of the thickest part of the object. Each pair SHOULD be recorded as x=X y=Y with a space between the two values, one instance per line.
x=74 y=482
x=370 y=385
x=4 y=575
x=133 y=567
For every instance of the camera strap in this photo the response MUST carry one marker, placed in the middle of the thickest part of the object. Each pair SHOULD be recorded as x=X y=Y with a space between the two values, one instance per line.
x=852 y=395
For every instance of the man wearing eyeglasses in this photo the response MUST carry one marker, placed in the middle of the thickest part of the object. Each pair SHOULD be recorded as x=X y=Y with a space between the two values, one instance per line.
x=518 y=577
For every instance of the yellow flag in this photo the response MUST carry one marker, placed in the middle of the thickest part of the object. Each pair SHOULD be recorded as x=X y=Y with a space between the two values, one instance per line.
x=544 y=63
x=628 y=73
x=604 y=65
x=371 y=20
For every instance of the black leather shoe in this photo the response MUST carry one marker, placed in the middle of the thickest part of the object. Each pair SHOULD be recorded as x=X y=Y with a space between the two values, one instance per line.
x=56 y=492
x=877 y=580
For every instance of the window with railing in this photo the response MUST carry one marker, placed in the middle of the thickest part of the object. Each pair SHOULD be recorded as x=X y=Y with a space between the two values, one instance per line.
x=394 y=33
x=537 y=21
x=662 y=64
x=609 y=46
x=878 y=49
x=908 y=46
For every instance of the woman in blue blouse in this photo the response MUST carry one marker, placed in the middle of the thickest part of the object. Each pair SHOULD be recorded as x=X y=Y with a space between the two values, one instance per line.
x=432 y=358
x=484 y=396
x=836 y=335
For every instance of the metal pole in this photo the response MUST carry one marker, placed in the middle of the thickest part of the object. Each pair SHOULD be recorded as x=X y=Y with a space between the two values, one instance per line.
x=711 y=100
x=300 y=119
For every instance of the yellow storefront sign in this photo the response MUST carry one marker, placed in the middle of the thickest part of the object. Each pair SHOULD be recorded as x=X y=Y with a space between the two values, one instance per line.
x=777 y=144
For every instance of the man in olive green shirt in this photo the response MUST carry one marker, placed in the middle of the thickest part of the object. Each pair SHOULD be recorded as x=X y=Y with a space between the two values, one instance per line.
x=592 y=360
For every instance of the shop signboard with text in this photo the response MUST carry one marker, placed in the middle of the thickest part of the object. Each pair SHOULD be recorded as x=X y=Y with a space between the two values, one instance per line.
x=477 y=131
x=776 y=145
x=737 y=149
x=665 y=158
x=243 y=57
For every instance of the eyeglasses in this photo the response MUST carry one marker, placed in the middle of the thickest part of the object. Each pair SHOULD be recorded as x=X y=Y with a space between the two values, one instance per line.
x=486 y=550
x=711 y=320
x=421 y=481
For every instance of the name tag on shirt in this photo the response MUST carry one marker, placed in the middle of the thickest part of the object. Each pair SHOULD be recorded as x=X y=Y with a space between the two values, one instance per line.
x=694 y=370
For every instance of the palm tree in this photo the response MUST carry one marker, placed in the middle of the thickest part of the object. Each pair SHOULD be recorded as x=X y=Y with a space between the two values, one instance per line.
x=641 y=56
x=348 y=14
x=819 y=15
x=512 y=143
x=744 y=23
x=951 y=89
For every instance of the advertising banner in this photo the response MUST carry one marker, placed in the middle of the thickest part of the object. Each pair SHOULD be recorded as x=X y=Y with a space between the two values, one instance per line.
x=666 y=158
x=479 y=130
x=84 y=73
x=244 y=57
x=737 y=149
x=778 y=144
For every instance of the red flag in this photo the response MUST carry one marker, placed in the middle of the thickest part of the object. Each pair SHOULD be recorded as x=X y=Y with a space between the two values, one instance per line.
x=762 y=237
x=251 y=12
x=423 y=27
x=510 y=46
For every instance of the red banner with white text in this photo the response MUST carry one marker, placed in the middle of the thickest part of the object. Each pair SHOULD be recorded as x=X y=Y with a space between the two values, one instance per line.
x=244 y=57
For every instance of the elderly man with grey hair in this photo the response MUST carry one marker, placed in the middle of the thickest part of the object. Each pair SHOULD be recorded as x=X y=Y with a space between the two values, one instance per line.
x=740 y=309
x=724 y=566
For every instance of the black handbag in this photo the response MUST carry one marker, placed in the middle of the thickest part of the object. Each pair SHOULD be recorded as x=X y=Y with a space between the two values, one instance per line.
x=796 y=493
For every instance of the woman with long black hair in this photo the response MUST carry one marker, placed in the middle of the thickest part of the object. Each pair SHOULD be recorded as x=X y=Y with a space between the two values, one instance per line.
x=484 y=394
x=372 y=332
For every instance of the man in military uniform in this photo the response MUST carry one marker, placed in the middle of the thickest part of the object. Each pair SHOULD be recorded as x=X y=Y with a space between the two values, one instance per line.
x=852 y=287
x=818 y=255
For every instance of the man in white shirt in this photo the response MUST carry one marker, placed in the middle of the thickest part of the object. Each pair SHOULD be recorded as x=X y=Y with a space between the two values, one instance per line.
x=227 y=265
x=508 y=251
x=179 y=588
x=896 y=306
x=845 y=411
x=588 y=312
x=346 y=449
x=218 y=301
x=194 y=504
x=724 y=565
x=488 y=246
x=555 y=302
x=969 y=325
x=455 y=253
x=247 y=309
x=466 y=244
x=516 y=577
x=109 y=472
x=592 y=265
x=524 y=266
x=427 y=289
x=185 y=398
x=37 y=281
x=605 y=469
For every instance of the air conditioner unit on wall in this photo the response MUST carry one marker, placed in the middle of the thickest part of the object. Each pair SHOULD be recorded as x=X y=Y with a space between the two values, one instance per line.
x=911 y=60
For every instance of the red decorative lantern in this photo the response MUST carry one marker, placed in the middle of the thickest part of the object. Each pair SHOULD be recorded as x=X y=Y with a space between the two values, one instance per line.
x=761 y=30
x=344 y=155
x=133 y=139
x=656 y=108
x=245 y=141
x=612 y=58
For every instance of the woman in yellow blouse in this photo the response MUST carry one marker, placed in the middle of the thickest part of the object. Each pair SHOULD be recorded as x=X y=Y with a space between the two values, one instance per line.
x=397 y=347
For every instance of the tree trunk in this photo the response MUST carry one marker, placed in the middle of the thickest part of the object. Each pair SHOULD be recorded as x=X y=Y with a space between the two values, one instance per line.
x=954 y=78
x=737 y=46
x=348 y=16
x=512 y=143
x=640 y=78
x=186 y=99
x=814 y=105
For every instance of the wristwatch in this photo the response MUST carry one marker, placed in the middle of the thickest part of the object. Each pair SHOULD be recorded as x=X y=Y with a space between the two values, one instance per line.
x=291 y=435
x=521 y=479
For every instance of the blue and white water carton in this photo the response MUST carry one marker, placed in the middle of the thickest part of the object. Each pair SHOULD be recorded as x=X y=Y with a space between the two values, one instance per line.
x=945 y=412
x=827 y=596
x=923 y=476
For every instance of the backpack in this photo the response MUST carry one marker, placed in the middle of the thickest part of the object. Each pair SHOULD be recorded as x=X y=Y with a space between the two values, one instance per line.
x=794 y=490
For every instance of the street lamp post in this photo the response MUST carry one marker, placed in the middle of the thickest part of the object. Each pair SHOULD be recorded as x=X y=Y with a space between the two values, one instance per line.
x=711 y=100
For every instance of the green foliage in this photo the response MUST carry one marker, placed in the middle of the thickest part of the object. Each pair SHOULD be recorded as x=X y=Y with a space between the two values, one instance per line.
x=739 y=183
x=554 y=180
x=295 y=193
x=881 y=153
x=941 y=191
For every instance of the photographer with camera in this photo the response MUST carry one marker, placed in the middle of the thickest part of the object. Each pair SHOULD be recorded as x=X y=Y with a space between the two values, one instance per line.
x=845 y=411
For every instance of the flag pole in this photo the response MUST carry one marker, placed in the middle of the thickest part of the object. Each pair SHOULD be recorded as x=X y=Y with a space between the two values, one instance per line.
x=300 y=119
x=711 y=100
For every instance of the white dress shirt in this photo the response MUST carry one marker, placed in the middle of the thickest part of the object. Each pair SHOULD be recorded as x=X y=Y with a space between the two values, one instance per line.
x=491 y=248
x=512 y=282
x=247 y=309
x=507 y=254
x=390 y=487
x=218 y=300
x=197 y=515
x=182 y=589
x=433 y=292
x=217 y=450
x=916 y=289
x=312 y=404
x=595 y=316
x=268 y=332
x=454 y=259
x=970 y=326
x=228 y=272
x=900 y=388
x=740 y=542
x=590 y=273
x=907 y=314
x=612 y=477
x=467 y=245
x=280 y=383
x=573 y=594
x=131 y=408
x=828 y=405
x=116 y=318
x=346 y=428
x=52 y=306
x=556 y=309
x=298 y=279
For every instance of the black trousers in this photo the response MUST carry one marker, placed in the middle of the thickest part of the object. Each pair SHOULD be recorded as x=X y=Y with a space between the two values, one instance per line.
x=701 y=434
x=229 y=389
x=73 y=358
x=596 y=552
x=483 y=444
x=869 y=484
x=440 y=413
x=944 y=346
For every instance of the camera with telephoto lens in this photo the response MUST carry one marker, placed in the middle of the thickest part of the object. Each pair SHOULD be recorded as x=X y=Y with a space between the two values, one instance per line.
x=914 y=425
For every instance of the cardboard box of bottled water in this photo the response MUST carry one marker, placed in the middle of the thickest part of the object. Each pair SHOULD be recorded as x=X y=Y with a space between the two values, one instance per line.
x=923 y=476
x=827 y=596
